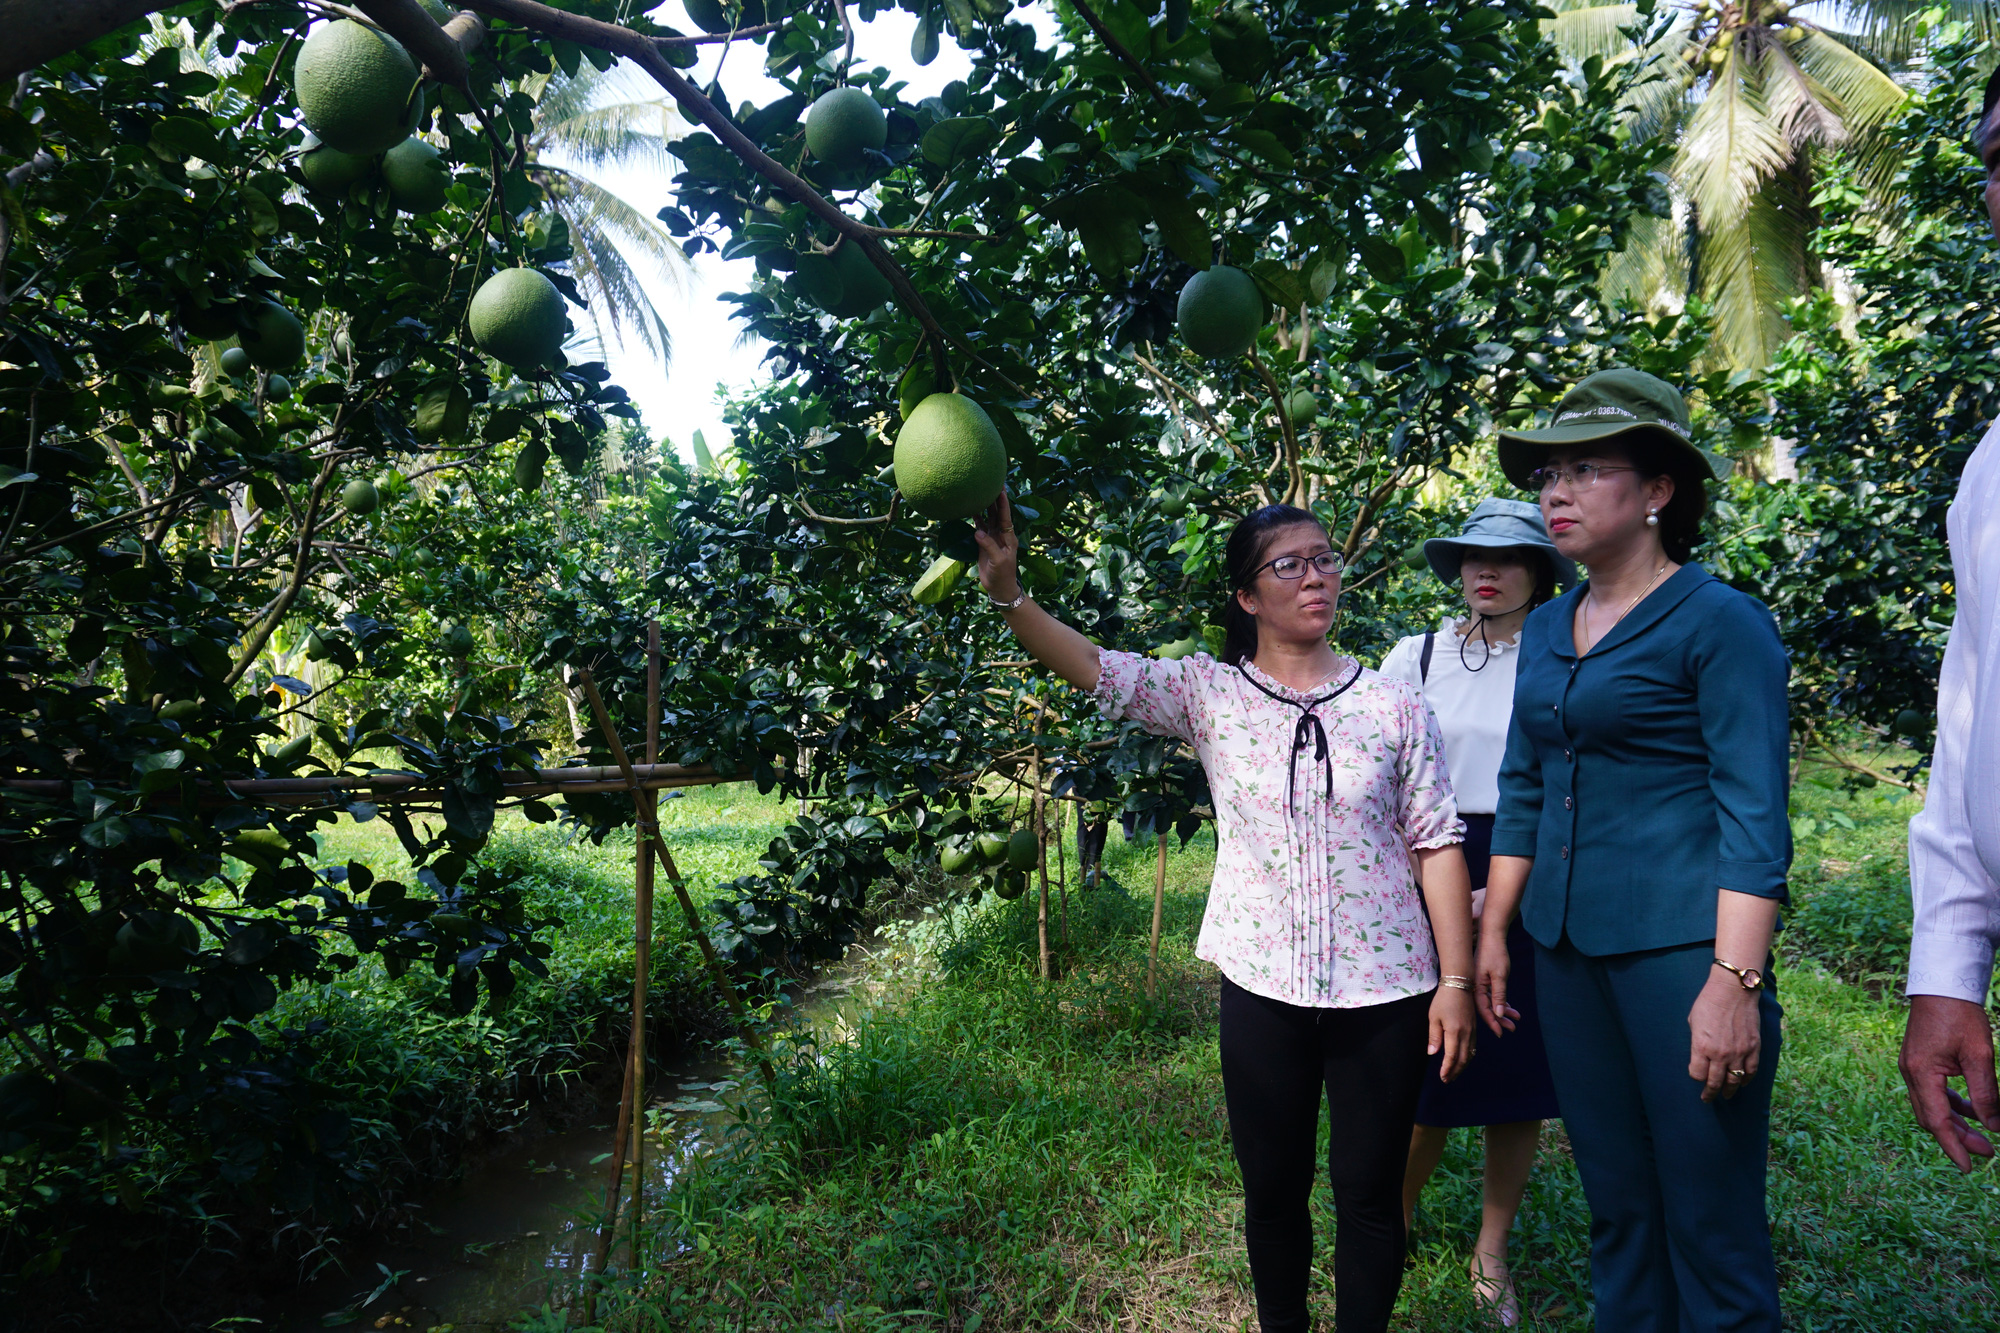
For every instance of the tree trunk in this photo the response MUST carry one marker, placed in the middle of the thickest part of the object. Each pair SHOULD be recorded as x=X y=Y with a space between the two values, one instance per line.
x=38 y=31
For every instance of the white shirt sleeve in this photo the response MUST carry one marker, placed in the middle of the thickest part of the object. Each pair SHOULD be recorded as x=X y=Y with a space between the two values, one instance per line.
x=1954 y=890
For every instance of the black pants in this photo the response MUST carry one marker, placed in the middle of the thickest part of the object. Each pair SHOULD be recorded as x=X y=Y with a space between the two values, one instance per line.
x=1275 y=1057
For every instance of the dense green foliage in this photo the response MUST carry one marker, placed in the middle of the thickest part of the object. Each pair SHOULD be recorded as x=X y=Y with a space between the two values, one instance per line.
x=264 y=561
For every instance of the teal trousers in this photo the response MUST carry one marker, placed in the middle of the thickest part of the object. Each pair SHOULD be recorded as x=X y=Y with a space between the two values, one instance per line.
x=1679 y=1238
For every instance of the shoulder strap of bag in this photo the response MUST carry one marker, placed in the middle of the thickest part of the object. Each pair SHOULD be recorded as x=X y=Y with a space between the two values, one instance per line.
x=1424 y=662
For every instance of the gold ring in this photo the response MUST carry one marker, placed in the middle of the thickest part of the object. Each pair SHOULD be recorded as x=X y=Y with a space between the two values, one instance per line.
x=1739 y=1073
x=1008 y=531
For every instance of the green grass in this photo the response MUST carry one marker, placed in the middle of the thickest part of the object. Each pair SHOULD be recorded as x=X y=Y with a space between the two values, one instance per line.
x=996 y=1152
x=423 y=1080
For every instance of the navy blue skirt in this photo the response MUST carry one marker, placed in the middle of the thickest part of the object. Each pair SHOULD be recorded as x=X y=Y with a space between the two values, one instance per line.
x=1508 y=1079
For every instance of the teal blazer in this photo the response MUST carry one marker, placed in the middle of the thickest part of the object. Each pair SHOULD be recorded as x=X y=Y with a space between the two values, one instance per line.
x=1650 y=773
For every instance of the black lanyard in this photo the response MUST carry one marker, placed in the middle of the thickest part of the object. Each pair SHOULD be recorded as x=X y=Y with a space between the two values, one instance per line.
x=1309 y=728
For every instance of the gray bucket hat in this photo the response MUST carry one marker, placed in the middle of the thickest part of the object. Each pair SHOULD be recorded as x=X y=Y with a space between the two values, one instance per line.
x=1498 y=522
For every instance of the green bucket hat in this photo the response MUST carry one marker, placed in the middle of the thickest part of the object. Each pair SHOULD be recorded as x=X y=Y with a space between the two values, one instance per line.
x=1498 y=522
x=1605 y=406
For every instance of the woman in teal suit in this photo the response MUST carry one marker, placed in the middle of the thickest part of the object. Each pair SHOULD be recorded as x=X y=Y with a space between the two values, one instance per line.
x=1642 y=833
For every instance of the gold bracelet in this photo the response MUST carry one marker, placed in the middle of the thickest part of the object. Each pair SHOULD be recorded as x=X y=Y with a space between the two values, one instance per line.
x=1457 y=983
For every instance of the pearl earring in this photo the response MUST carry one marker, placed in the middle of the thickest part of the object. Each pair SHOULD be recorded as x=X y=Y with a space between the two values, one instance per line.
x=1652 y=518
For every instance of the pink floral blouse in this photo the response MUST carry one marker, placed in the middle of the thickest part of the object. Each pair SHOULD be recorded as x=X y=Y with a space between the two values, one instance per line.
x=1316 y=905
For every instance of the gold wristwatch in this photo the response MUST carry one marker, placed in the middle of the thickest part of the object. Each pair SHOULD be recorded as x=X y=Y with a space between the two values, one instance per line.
x=1748 y=977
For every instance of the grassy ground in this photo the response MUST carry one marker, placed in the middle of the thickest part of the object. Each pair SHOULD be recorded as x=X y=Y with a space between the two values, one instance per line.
x=436 y=1079
x=995 y=1152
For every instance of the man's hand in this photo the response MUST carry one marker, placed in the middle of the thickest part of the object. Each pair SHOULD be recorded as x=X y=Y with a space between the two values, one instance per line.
x=1951 y=1038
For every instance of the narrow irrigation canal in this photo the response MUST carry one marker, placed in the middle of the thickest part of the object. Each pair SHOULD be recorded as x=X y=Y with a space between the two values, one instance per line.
x=519 y=1231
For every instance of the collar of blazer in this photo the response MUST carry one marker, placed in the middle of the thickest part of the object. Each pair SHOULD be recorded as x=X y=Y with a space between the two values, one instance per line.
x=1651 y=609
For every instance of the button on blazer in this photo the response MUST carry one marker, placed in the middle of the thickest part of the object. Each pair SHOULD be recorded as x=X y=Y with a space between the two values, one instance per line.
x=1651 y=772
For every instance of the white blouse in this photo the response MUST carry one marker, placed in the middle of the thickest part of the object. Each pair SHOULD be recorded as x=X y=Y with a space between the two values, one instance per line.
x=1472 y=695
x=1315 y=898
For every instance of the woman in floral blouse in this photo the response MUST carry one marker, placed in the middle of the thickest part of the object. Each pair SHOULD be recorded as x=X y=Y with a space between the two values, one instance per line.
x=1332 y=805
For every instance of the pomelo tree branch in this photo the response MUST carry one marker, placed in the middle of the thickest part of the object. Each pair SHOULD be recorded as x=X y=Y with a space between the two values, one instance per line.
x=644 y=52
x=442 y=52
x=1117 y=48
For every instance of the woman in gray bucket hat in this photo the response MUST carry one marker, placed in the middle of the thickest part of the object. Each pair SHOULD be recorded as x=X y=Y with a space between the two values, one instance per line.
x=1506 y=566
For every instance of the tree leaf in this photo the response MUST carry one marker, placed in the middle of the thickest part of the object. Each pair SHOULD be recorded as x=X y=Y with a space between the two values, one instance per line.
x=952 y=141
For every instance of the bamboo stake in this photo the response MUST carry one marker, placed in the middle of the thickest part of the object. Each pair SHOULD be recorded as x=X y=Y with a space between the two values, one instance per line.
x=1041 y=847
x=1159 y=899
x=1062 y=868
x=642 y=941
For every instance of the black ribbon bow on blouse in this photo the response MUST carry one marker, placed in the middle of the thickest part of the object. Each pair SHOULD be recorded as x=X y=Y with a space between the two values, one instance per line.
x=1308 y=730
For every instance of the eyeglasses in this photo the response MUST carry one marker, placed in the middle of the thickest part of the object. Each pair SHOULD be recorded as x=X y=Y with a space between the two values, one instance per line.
x=1328 y=563
x=1577 y=476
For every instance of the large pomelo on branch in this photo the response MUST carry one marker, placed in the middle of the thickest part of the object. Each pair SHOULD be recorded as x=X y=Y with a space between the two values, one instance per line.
x=360 y=497
x=417 y=176
x=357 y=87
x=862 y=287
x=1023 y=850
x=271 y=335
x=517 y=317
x=843 y=125
x=711 y=17
x=1220 y=312
x=950 y=462
x=327 y=168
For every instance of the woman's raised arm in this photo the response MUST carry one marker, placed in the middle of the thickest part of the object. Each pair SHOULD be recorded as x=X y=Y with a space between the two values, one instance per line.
x=1052 y=643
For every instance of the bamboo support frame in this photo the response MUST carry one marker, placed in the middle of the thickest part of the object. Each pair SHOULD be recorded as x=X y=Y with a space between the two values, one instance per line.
x=390 y=787
x=1159 y=901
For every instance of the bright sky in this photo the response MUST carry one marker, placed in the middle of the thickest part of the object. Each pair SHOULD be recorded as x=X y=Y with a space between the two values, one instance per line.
x=707 y=365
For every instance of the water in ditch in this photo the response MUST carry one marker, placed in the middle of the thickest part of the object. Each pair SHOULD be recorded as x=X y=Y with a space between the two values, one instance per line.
x=515 y=1235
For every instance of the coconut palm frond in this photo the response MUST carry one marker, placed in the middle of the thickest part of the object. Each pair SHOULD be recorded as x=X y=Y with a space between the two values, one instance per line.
x=631 y=133
x=1805 y=113
x=1582 y=29
x=598 y=220
x=1863 y=94
x=1888 y=29
x=1651 y=272
x=1754 y=266
x=1731 y=145
x=610 y=213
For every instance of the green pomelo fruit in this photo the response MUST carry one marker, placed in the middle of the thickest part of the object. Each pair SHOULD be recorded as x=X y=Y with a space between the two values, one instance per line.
x=331 y=170
x=950 y=462
x=1023 y=852
x=863 y=289
x=1910 y=722
x=1179 y=648
x=356 y=87
x=1414 y=558
x=272 y=335
x=277 y=387
x=530 y=465
x=154 y=941
x=1173 y=506
x=711 y=17
x=957 y=860
x=235 y=361
x=458 y=641
x=1011 y=885
x=1220 y=312
x=97 y=1097
x=416 y=175
x=318 y=647
x=843 y=125
x=1241 y=43
x=360 y=496
x=288 y=755
x=517 y=318
x=992 y=847
x=1301 y=407
x=938 y=582
x=180 y=710
x=26 y=1099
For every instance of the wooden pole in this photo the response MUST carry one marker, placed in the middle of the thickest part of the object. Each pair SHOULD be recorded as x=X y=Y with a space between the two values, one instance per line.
x=642 y=938
x=1041 y=845
x=747 y=1029
x=1062 y=868
x=1159 y=899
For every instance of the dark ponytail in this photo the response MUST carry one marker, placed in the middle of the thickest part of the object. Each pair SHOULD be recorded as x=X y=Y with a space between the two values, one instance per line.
x=1241 y=558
